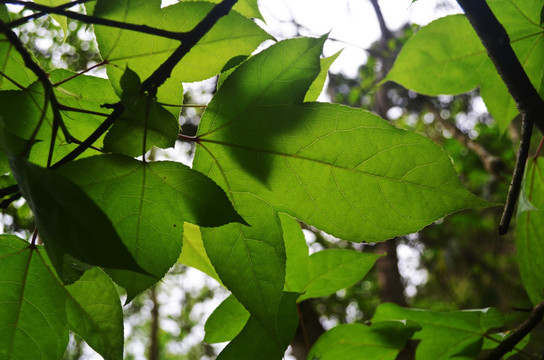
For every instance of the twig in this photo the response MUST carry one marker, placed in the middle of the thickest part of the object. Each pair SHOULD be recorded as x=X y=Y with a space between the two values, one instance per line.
x=528 y=101
x=517 y=176
x=37 y=15
x=88 y=19
x=508 y=344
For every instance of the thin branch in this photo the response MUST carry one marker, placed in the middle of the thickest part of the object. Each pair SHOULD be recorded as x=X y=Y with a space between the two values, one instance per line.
x=508 y=344
x=528 y=101
x=103 y=62
x=88 y=19
x=37 y=15
x=517 y=176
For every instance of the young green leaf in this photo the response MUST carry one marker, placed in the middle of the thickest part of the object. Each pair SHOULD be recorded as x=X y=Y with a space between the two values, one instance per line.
x=33 y=321
x=94 y=312
x=13 y=72
x=68 y=221
x=382 y=341
x=324 y=272
x=226 y=321
x=317 y=86
x=148 y=204
x=529 y=232
x=445 y=334
x=193 y=252
x=233 y=35
x=144 y=123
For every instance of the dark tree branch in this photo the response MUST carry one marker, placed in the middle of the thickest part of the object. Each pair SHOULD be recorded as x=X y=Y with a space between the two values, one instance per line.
x=528 y=101
x=508 y=344
x=37 y=15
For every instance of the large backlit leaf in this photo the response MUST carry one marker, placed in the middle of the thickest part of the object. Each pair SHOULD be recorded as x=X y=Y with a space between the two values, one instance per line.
x=94 y=312
x=33 y=321
x=273 y=155
x=530 y=232
x=148 y=204
x=445 y=334
x=233 y=35
x=250 y=260
x=381 y=341
x=324 y=272
x=226 y=321
x=447 y=57
x=13 y=72
x=68 y=221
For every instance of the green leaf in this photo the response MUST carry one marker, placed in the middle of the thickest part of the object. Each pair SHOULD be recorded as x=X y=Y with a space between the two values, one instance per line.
x=324 y=272
x=148 y=204
x=94 y=313
x=435 y=59
x=32 y=316
x=317 y=86
x=381 y=341
x=529 y=232
x=248 y=8
x=256 y=342
x=68 y=221
x=143 y=124
x=233 y=35
x=271 y=156
x=445 y=334
x=226 y=321
x=193 y=253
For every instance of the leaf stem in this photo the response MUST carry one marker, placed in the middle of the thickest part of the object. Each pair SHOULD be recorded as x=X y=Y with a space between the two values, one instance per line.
x=12 y=81
x=104 y=62
x=188 y=138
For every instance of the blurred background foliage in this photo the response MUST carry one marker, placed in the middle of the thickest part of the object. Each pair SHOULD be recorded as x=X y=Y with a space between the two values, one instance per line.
x=459 y=262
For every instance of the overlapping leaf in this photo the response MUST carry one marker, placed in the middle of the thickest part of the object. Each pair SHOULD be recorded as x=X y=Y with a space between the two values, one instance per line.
x=37 y=311
x=148 y=204
x=530 y=232
x=226 y=321
x=144 y=124
x=271 y=153
x=317 y=86
x=94 y=312
x=69 y=222
x=447 y=57
x=233 y=35
x=381 y=341
x=257 y=342
x=32 y=316
x=444 y=335
x=324 y=272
